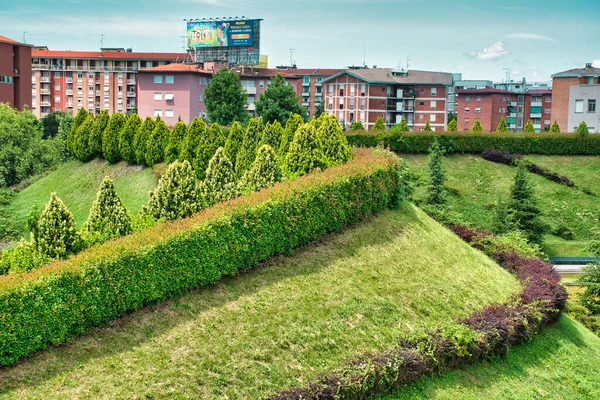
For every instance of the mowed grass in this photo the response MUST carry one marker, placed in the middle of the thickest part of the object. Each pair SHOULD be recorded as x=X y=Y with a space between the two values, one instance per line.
x=279 y=325
x=560 y=363
x=479 y=183
x=77 y=183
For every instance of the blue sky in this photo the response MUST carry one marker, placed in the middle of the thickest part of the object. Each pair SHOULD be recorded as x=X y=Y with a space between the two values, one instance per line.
x=533 y=38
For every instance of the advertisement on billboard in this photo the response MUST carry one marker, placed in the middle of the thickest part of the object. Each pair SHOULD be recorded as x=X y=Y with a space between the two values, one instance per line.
x=219 y=34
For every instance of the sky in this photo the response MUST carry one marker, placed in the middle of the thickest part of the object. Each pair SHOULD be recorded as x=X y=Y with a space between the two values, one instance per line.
x=479 y=38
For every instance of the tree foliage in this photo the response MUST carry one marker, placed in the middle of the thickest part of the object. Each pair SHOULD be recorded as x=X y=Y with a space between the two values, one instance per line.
x=502 y=126
x=81 y=140
x=305 y=154
x=291 y=126
x=437 y=176
x=206 y=149
x=108 y=217
x=155 y=148
x=278 y=101
x=427 y=127
x=100 y=124
x=555 y=128
x=332 y=141
x=379 y=125
x=357 y=126
x=175 y=142
x=273 y=134
x=195 y=133
x=63 y=132
x=220 y=183
x=81 y=116
x=51 y=122
x=234 y=142
x=582 y=129
x=529 y=127
x=452 y=126
x=110 y=138
x=126 y=147
x=402 y=126
x=501 y=222
x=225 y=98
x=141 y=138
x=247 y=152
x=525 y=215
x=57 y=230
x=477 y=126
x=263 y=173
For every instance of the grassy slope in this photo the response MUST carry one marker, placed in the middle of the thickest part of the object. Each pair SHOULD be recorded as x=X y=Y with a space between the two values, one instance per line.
x=480 y=182
x=279 y=325
x=560 y=363
x=77 y=183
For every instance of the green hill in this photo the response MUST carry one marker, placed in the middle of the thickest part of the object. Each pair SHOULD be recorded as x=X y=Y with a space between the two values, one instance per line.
x=77 y=183
x=477 y=183
x=279 y=325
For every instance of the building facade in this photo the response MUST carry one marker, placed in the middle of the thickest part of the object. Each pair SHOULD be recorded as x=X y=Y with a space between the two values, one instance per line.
x=575 y=98
x=95 y=81
x=15 y=73
x=366 y=94
x=310 y=85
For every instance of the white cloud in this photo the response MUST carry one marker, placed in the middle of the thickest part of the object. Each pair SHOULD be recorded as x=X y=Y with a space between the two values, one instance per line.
x=531 y=36
x=495 y=51
x=596 y=63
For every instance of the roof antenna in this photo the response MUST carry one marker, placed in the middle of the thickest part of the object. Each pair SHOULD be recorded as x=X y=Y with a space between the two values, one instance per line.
x=365 y=56
x=24 y=39
x=101 y=42
x=292 y=57
x=407 y=62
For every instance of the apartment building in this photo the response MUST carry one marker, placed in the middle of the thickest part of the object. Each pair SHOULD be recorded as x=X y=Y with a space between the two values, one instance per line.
x=15 y=70
x=104 y=80
x=177 y=90
x=310 y=85
x=368 y=93
x=575 y=98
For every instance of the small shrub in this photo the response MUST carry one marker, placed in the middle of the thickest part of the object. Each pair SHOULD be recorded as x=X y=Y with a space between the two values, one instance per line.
x=357 y=126
x=126 y=147
x=23 y=257
x=452 y=126
x=58 y=236
x=502 y=126
x=555 y=128
x=220 y=183
x=263 y=173
x=272 y=136
x=525 y=215
x=563 y=231
x=427 y=127
x=291 y=127
x=379 y=125
x=305 y=154
x=477 y=127
x=175 y=142
x=332 y=141
x=582 y=129
x=100 y=124
x=81 y=141
x=529 y=127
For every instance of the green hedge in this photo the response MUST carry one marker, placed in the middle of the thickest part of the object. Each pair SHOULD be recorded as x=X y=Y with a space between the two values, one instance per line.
x=67 y=298
x=548 y=144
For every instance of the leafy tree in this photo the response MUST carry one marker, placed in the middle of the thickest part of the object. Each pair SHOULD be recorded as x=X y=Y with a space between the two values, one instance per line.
x=141 y=138
x=196 y=132
x=272 y=136
x=427 y=127
x=590 y=280
x=502 y=126
x=108 y=217
x=247 y=153
x=126 y=138
x=110 y=138
x=63 y=132
x=477 y=126
x=220 y=184
x=177 y=193
x=100 y=124
x=234 y=142
x=278 y=101
x=319 y=110
x=206 y=149
x=305 y=153
x=529 y=127
x=176 y=138
x=155 y=148
x=452 y=126
x=51 y=122
x=555 y=128
x=81 y=141
x=81 y=116
x=57 y=230
x=291 y=126
x=582 y=129
x=263 y=173
x=525 y=215
x=357 y=126
x=333 y=143
x=437 y=176
x=379 y=125
x=225 y=98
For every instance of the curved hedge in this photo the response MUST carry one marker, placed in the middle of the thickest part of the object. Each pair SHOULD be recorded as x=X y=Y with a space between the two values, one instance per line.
x=546 y=144
x=66 y=298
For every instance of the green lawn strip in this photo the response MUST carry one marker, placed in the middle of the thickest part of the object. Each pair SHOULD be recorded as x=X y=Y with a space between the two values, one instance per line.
x=560 y=363
x=279 y=325
x=77 y=183
x=583 y=170
x=480 y=182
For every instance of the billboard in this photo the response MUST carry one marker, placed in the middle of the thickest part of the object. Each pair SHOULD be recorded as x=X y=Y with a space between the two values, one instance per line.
x=220 y=34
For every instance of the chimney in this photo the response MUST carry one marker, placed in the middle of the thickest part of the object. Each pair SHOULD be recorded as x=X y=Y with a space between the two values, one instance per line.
x=588 y=65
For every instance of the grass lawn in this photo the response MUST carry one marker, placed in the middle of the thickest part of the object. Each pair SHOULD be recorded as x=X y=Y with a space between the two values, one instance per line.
x=562 y=362
x=280 y=324
x=77 y=183
x=479 y=184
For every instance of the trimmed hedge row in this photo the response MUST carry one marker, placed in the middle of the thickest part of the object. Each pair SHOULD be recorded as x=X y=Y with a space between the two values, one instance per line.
x=547 y=144
x=484 y=334
x=56 y=302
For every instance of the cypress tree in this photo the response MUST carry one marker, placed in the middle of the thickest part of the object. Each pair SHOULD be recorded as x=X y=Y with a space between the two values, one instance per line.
x=403 y=126
x=555 y=128
x=452 y=126
x=273 y=134
x=357 y=126
x=155 y=148
x=108 y=217
x=477 y=126
x=529 y=127
x=175 y=143
x=220 y=184
x=100 y=124
x=379 y=125
x=141 y=138
x=247 y=153
x=305 y=154
x=291 y=127
x=57 y=230
x=524 y=212
x=437 y=176
x=110 y=139
x=206 y=149
x=126 y=148
x=427 y=127
x=196 y=132
x=234 y=142
x=263 y=173
x=502 y=126
x=81 y=116
x=81 y=141
x=333 y=142
x=582 y=129
x=501 y=221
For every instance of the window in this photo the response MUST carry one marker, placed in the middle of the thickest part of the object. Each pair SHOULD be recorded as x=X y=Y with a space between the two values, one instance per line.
x=466 y=121
x=261 y=84
x=57 y=99
x=91 y=75
x=157 y=113
x=546 y=122
x=169 y=113
x=503 y=98
x=503 y=110
x=432 y=105
x=352 y=103
x=79 y=75
x=591 y=80
x=169 y=96
x=591 y=106
x=422 y=90
x=547 y=111
x=341 y=106
x=467 y=98
x=548 y=100
x=200 y=97
x=432 y=118
x=363 y=89
x=434 y=91
x=170 y=79
x=351 y=90
x=519 y=122
x=319 y=79
x=158 y=79
x=341 y=89
x=57 y=86
x=478 y=98
x=202 y=81
x=158 y=96
x=330 y=106
x=467 y=109
x=306 y=79
x=477 y=109
x=421 y=103
x=362 y=103
x=331 y=90
x=57 y=74
x=578 y=106
x=421 y=116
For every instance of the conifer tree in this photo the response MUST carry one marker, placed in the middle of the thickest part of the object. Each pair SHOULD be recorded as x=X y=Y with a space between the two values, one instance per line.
x=247 y=153
x=57 y=230
x=379 y=125
x=437 y=176
x=357 y=126
x=81 y=116
x=234 y=142
x=273 y=134
x=100 y=124
x=403 y=125
x=427 y=127
x=524 y=212
x=126 y=138
x=291 y=126
x=220 y=183
x=141 y=138
x=206 y=149
x=155 y=148
x=110 y=139
x=64 y=127
x=263 y=173
x=108 y=217
x=176 y=138
x=305 y=153
x=501 y=222
x=81 y=141
x=333 y=142
x=477 y=126
x=555 y=128
x=582 y=129
x=452 y=126
x=196 y=132
x=502 y=126
x=177 y=194
x=529 y=127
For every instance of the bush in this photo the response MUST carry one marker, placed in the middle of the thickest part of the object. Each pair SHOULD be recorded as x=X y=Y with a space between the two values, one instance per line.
x=437 y=176
x=234 y=142
x=175 y=142
x=141 y=138
x=427 y=127
x=100 y=124
x=590 y=281
x=529 y=127
x=247 y=152
x=220 y=183
x=502 y=126
x=51 y=305
x=155 y=148
x=524 y=213
x=81 y=142
x=23 y=257
x=332 y=140
x=110 y=138
x=555 y=128
x=305 y=154
x=57 y=230
x=272 y=136
x=81 y=116
x=291 y=127
x=196 y=132
x=206 y=149
x=357 y=126
x=126 y=147
x=477 y=128
x=582 y=130
x=452 y=126
x=379 y=125
x=263 y=173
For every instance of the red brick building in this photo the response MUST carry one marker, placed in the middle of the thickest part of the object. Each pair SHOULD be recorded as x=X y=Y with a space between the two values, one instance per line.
x=15 y=73
x=310 y=85
x=366 y=94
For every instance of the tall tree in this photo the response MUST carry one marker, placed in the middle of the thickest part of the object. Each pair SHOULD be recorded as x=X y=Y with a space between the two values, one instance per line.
x=263 y=173
x=379 y=125
x=206 y=149
x=195 y=134
x=555 y=128
x=51 y=122
x=110 y=139
x=332 y=141
x=108 y=217
x=437 y=176
x=155 y=148
x=63 y=132
x=291 y=126
x=524 y=212
x=247 y=153
x=529 y=127
x=452 y=126
x=100 y=124
x=477 y=126
x=273 y=134
x=234 y=142
x=81 y=116
x=278 y=101
x=126 y=147
x=141 y=138
x=225 y=98
x=81 y=146
x=220 y=183
x=582 y=129
x=502 y=126
x=305 y=153
x=57 y=230
x=175 y=143
x=427 y=127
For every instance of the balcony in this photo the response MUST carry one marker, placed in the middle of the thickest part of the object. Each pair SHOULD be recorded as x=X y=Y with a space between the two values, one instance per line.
x=69 y=80
x=512 y=115
x=304 y=83
x=130 y=106
x=45 y=79
x=70 y=105
x=537 y=127
x=44 y=91
x=250 y=90
x=512 y=103
x=512 y=126
x=306 y=103
x=535 y=115
x=131 y=81
x=40 y=66
x=45 y=103
x=69 y=92
x=130 y=94
x=536 y=104
x=251 y=107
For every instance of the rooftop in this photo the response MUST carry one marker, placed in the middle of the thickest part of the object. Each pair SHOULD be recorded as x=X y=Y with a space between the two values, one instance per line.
x=579 y=72
x=389 y=75
x=109 y=54
x=484 y=91
x=314 y=71
x=175 y=67
x=197 y=68
x=7 y=40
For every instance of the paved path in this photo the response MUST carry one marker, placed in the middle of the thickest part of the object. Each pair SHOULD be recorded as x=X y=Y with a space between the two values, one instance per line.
x=568 y=269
